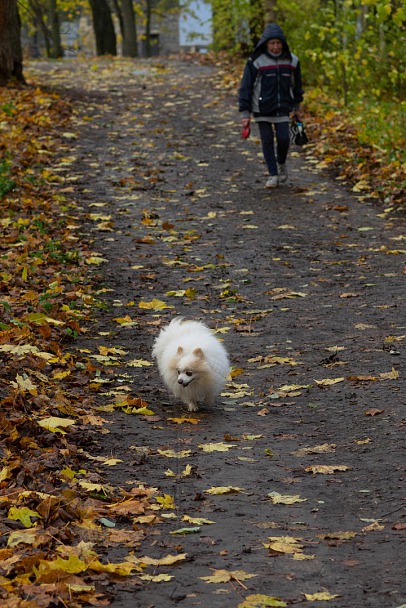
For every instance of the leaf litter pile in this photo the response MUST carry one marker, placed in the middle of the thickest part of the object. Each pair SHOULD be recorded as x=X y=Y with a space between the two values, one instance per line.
x=127 y=200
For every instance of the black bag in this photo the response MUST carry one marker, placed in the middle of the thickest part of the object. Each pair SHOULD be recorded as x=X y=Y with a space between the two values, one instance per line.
x=298 y=134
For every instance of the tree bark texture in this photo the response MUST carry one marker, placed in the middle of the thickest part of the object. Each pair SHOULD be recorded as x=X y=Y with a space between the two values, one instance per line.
x=103 y=28
x=129 y=32
x=11 y=57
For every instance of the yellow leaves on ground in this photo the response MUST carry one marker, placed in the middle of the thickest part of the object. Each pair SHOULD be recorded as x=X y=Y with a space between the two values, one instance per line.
x=126 y=321
x=184 y=420
x=287 y=545
x=188 y=470
x=139 y=363
x=174 y=454
x=337 y=535
x=320 y=596
x=23 y=384
x=262 y=601
x=329 y=381
x=217 y=447
x=226 y=576
x=55 y=424
x=285 y=499
x=197 y=521
x=168 y=560
x=166 y=501
x=24 y=515
x=157 y=578
x=154 y=304
x=316 y=449
x=219 y=490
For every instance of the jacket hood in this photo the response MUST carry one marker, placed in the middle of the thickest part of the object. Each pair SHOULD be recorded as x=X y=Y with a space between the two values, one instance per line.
x=272 y=30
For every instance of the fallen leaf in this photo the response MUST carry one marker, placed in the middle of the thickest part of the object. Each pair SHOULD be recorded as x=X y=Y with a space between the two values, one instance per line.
x=285 y=499
x=223 y=490
x=217 y=447
x=56 y=425
x=225 y=576
x=320 y=596
x=262 y=601
x=326 y=469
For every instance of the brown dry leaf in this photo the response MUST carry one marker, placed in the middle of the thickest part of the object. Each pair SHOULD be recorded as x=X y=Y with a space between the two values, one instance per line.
x=184 y=420
x=373 y=412
x=316 y=449
x=375 y=526
x=225 y=576
x=326 y=469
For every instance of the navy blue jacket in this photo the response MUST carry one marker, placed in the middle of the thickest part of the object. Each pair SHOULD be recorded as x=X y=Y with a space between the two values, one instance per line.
x=271 y=86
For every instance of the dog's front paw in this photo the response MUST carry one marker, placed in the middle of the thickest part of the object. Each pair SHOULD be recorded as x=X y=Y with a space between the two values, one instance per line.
x=192 y=407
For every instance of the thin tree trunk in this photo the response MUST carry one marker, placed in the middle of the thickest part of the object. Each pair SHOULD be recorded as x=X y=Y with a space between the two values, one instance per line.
x=11 y=57
x=129 y=34
x=148 y=28
x=56 y=47
x=269 y=11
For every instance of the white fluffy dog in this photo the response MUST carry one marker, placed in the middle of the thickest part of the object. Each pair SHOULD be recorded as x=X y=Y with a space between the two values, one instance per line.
x=192 y=362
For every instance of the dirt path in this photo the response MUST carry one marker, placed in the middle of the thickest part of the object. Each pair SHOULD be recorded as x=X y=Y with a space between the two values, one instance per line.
x=306 y=285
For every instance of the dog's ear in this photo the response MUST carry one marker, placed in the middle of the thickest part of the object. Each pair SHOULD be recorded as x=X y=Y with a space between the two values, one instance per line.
x=198 y=353
x=180 y=350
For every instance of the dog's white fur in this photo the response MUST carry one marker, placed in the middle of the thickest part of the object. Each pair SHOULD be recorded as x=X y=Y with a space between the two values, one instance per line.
x=192 y=362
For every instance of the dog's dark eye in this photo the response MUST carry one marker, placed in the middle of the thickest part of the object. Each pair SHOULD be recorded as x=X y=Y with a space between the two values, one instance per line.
x=189 y=374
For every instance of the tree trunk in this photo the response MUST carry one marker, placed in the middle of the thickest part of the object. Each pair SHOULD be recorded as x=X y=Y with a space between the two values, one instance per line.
x=269 y=11
x=11 y=57
x=103 y=28
x=148 y=28
x=56 y=47
x=129 y=34
x=256 y=23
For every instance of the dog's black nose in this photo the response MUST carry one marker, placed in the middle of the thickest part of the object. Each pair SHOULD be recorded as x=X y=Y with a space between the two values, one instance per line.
x=180 y=381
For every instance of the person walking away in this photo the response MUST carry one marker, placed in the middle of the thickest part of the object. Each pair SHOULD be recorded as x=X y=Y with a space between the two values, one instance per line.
x=270 y=91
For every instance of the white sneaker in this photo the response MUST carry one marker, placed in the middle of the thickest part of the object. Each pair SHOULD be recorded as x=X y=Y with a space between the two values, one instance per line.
x=283 y=174
x=272 y=182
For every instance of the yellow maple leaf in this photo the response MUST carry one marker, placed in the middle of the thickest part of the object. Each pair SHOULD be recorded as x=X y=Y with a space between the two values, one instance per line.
x=166 y=501
x=184 y=420
x=316 y=449
x=337 y=535
x=320 y=596
x=154 y=304
x=197 y=521
x=168 y=560
x=55 y=424
x=225 y=576
x=125 y=321
x=284 y=544
x=96 y=260
x=217 y=447
x=111 y=462
x=23 y=384
x=258 y=600
x=219 y=490
x=392 y=375
x=139 y=363
x=72 y=565
x=329 y=381
x=173 y=454
x=285 y=499
x=157 y=578
x=23 y=514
